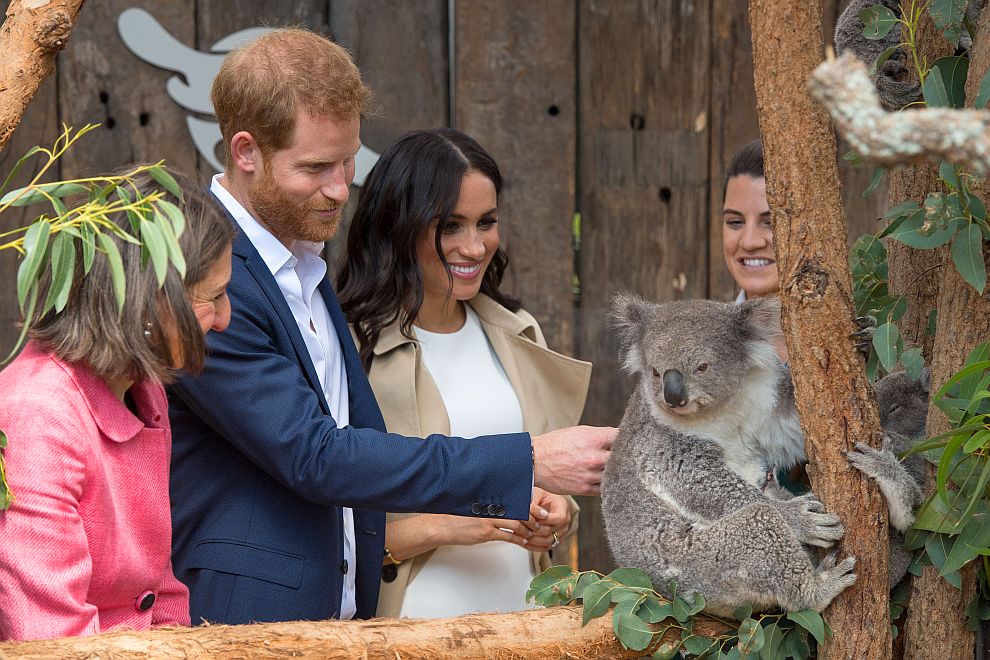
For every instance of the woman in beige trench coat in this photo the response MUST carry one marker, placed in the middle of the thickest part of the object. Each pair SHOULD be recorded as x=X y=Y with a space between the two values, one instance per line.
x=447 y=352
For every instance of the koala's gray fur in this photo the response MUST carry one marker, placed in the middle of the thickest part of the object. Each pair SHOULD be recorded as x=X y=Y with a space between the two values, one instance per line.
x=712 y=415
x=903 y=406
x=893 y=79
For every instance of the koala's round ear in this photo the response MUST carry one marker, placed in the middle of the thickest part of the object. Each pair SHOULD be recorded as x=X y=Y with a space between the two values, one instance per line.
x=629 y=317
x=760 y=318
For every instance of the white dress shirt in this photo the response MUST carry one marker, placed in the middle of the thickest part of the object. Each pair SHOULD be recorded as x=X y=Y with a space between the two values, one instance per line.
x=298 y=272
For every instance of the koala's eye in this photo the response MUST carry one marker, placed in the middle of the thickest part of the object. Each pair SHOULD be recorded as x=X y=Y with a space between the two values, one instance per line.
x=703 y=367
x=894 y=408
x=656 y=374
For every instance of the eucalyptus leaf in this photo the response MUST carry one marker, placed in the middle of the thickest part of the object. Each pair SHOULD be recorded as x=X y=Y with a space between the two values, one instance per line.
x=937 y=548
x=63 y=265
x=878 y=21
x=631 y=577
x=884 y=56
x=913 y=362
x=698 y=644
x=17 y=166
x=116 y=269
x=597 y=597
x=774 y=638
x=852 y=157
x=751 y=637
x=88 y=241
x=40 y=193
x=667 y=650
x=174 y=214
x=157 y=248
x=161 y=175
x=913 y=233
x=875 y=179
x=967 y=255
x=172 y=243
x=811 y=621
x=35 y=247
x=587 y=578
x=888 y=344
x=948 y=15
x=655 y=611
x=633 y=632
x=949 y=173
x=945 y=84
x=974 y=537
x=545 y=587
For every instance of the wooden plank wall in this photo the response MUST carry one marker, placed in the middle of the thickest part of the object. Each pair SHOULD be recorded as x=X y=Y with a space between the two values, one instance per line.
x=627 y=112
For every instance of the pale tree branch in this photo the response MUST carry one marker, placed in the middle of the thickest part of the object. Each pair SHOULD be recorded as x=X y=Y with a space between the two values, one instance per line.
x=30 y=38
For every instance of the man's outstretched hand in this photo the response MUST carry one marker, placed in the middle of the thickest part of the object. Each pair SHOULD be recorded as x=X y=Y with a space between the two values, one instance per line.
x=570 y=461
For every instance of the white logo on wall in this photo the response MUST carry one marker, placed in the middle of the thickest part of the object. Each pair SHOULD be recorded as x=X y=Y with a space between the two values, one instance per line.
x=150 y=41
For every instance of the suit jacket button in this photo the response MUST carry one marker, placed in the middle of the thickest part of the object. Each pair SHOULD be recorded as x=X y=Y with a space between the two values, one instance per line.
x=500 y=511
x=144 y=602
x=477 y=508
x=492 y=510
x=343 y=567
x=390 y=572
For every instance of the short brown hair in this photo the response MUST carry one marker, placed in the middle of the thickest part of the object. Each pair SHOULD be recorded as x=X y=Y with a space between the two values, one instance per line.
x=262 y=84
x=90 y=330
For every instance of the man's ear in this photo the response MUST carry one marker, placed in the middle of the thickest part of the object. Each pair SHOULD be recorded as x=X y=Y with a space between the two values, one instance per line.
x=245 y=153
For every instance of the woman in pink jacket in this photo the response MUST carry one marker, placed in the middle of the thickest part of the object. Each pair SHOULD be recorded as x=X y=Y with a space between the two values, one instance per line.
x=85 y=547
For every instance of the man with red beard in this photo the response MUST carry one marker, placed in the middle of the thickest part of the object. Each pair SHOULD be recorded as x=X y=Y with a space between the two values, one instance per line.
x=281 y=466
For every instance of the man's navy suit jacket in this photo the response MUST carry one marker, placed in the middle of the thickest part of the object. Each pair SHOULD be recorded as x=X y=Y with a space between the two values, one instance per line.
x=260 y=470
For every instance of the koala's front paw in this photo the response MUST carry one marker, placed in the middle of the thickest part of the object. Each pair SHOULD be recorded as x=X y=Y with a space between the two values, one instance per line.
x=865 y=325
x=828 y=581
x=812 y=525
x=899 y=488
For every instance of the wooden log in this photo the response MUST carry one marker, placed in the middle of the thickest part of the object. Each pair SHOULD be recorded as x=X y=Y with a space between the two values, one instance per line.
x=834 y=397
x=30 y=38
x=539 y=634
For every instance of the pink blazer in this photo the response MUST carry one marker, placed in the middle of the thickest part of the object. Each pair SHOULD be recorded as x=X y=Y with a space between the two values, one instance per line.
x=85 y=548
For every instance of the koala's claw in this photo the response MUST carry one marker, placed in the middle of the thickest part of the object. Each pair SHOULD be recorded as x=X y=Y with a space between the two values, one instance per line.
x=864 y=334
x=870 y=460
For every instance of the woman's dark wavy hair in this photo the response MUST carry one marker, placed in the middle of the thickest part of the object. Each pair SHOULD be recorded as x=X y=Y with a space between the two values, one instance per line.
x=748 y=161
x=416 y=180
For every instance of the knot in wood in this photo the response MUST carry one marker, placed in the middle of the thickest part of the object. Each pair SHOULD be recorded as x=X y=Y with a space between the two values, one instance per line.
x=809 y=281
x=53 y=31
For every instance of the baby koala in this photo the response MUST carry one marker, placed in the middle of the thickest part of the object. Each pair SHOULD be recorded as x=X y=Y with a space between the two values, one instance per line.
x=683 y=493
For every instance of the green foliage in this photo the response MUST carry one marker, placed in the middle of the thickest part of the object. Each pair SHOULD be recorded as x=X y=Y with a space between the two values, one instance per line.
x=642 y=617
x=73 y=229
x=878 y=21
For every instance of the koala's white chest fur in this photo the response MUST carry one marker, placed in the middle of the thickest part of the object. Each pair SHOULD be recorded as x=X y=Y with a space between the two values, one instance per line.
x=757 y=431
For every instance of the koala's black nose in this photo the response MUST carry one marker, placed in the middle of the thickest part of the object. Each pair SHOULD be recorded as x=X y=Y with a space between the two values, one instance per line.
x=673 y=388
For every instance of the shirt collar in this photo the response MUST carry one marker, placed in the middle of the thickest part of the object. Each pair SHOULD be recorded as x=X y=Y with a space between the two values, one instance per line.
x=273 y=253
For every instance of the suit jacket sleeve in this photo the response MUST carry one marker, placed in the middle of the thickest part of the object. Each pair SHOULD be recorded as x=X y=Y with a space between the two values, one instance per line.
x=255 y=395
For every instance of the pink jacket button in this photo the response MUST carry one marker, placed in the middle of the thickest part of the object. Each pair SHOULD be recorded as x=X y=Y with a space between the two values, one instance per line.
x=144 y=602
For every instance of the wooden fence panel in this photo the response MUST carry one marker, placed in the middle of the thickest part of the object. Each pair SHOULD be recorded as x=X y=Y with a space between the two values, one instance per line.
x=733 y=123
x=401 y=49
x=100 y=80
x=643 y=181
x=38 y=127
x=514 y=92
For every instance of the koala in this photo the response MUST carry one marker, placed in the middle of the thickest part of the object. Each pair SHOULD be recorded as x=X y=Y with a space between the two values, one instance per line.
x=683 y=494
x=903 y=406
x=893 y=79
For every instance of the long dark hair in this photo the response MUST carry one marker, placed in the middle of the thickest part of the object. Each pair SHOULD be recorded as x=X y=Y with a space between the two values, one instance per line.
x=417 y=179
x=748 y=161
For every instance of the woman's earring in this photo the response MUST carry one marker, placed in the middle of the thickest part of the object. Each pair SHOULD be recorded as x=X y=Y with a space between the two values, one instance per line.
x=147 y=330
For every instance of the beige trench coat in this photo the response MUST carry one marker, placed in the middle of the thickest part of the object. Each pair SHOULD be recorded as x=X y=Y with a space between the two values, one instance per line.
x=551 y=388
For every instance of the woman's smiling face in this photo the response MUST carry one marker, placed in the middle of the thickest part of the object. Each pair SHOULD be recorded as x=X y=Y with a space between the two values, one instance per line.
x=747 y=236
x=468 y=243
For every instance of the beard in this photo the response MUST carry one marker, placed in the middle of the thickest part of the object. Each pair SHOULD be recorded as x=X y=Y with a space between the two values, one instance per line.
x=286 y=219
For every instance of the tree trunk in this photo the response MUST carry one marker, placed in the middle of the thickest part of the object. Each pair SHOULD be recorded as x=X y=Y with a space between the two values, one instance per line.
x=835 y=399
x=539 y=634
x=936 y=615
x=30 y=37
x=916 y=273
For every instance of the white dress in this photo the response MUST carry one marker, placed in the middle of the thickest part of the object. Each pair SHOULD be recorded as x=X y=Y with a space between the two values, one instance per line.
x=479 y=399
